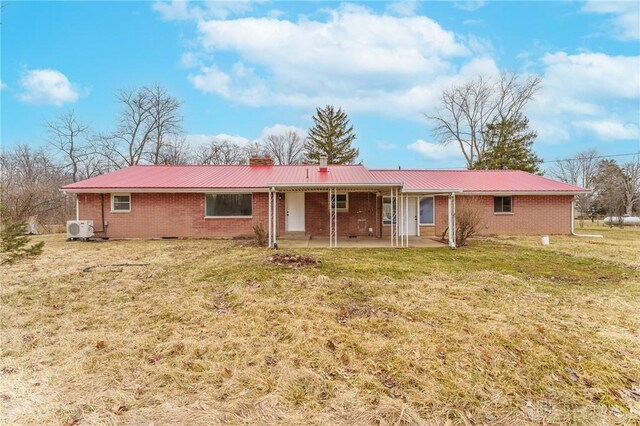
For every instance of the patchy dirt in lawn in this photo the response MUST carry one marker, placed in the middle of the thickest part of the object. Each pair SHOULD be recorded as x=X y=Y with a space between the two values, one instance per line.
x=292 y=260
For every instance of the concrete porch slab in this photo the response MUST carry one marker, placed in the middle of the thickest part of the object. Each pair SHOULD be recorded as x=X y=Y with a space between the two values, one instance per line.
x=359 y=242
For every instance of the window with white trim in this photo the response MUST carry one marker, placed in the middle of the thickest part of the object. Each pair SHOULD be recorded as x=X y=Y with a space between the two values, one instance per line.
x=228 y=205
x=426 y=210
x=121 y=203
x=388 y=211
x=341 y=201
x=502 y=205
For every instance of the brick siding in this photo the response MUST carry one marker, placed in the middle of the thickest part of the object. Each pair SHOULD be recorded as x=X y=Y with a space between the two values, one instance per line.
x=156 y=215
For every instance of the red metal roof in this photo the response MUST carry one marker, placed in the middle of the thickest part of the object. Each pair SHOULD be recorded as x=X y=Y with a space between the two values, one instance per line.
x=475 y=181
x=182 y=178
x=209 y=177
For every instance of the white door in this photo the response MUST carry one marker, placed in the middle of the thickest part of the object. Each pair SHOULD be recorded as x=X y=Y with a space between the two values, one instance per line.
x=412 y=217
x=294 y=203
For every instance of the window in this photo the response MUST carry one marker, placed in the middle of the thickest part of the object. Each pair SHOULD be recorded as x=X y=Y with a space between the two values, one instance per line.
x=388 y=211
x=341 y=202
x=502 y=205
x=426 y=211
x=228 y=205
x=120 y=202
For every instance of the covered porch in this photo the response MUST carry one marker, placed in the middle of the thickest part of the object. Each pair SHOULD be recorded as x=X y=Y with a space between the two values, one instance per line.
x=330 y=223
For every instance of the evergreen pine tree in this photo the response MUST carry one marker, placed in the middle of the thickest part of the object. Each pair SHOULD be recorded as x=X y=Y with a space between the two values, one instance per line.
x=509 y=146
x=331 y=135
x=13 y=242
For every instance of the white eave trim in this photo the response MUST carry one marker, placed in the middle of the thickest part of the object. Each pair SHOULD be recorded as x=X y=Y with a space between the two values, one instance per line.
x=432 y=191
x=507 y=193
x=164 y=190
x=335 y=185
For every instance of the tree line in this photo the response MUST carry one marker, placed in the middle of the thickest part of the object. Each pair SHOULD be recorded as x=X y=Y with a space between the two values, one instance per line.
x=615 y=186
x=148 y=130
x=483 y=117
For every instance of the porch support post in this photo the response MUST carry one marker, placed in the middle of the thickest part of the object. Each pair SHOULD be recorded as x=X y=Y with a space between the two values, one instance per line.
x=401 y=219
x=335 y=217
x=397 y=221
x=407 y=219
x=275 y=218
x=269 y=222
x=391 y=225
x=452 y=220
x=330 y=217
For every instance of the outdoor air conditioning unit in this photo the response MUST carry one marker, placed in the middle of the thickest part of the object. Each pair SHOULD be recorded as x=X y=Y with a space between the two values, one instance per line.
x=79 y=229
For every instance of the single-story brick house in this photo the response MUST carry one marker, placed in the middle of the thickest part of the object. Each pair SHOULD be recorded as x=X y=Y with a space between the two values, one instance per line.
x=227 y=201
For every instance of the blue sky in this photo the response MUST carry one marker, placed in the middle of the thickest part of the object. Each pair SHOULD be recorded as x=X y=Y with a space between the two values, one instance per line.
x=245 y=69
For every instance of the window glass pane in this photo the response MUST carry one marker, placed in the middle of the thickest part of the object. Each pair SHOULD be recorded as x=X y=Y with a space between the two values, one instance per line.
x=502 y=204
x=340 y=201
x=506 y=204
x=388 y=211
x=426 y=210
x=497 y=204
x=228 y=205
x=121 y=202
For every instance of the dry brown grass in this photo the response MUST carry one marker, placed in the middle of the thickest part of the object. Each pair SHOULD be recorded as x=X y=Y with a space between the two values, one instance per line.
x=211 y=333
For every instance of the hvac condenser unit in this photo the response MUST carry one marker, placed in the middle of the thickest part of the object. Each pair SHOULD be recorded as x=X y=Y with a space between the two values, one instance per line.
x=79 y=229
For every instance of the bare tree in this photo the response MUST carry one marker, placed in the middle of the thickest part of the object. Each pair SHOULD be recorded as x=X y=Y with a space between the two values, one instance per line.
x=174 y=152
x=631 y=183
x=149 y=116
x=469 y=219
x=30 y=184
x=466 y=109
x=580 y=171
x=220 y=152
x=68 y=135
x=287 y=148
x=166 y=121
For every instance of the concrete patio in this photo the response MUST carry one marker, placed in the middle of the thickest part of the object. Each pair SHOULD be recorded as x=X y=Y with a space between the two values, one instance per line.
x=357 y=242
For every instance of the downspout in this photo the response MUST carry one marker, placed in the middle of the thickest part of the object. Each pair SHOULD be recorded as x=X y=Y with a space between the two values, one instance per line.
x=573 y=224
x=77 y=207
x=102 y=231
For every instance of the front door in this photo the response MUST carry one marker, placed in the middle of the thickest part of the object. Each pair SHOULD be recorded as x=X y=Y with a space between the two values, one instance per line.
x=294 y=204
x=412 y=217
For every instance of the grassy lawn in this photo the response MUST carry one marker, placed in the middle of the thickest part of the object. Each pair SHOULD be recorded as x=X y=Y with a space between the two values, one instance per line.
x=207 y=332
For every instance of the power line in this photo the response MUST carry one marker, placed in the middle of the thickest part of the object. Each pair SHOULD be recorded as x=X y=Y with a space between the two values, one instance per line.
x=596 y=157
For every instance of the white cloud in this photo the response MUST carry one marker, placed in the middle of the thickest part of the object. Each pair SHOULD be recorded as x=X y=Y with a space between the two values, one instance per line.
x=593 y=75
x=610 y=130
x=281 y=129
x=203 y=139
x=211 y=80
x=198 y=139
x=625 y=20
x=385 y=145
x=183 y=10
x=47 y=86
x=2 y=85
x=469 y=6
x=435 y=151
x=403 y=7
x=397 y=67
x=590 y=93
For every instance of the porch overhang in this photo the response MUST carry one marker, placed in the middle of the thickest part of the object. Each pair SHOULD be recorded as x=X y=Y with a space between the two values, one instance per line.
x=325 y=186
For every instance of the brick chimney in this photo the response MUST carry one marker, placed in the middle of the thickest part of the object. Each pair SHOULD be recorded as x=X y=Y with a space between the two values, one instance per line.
x=256 y=160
